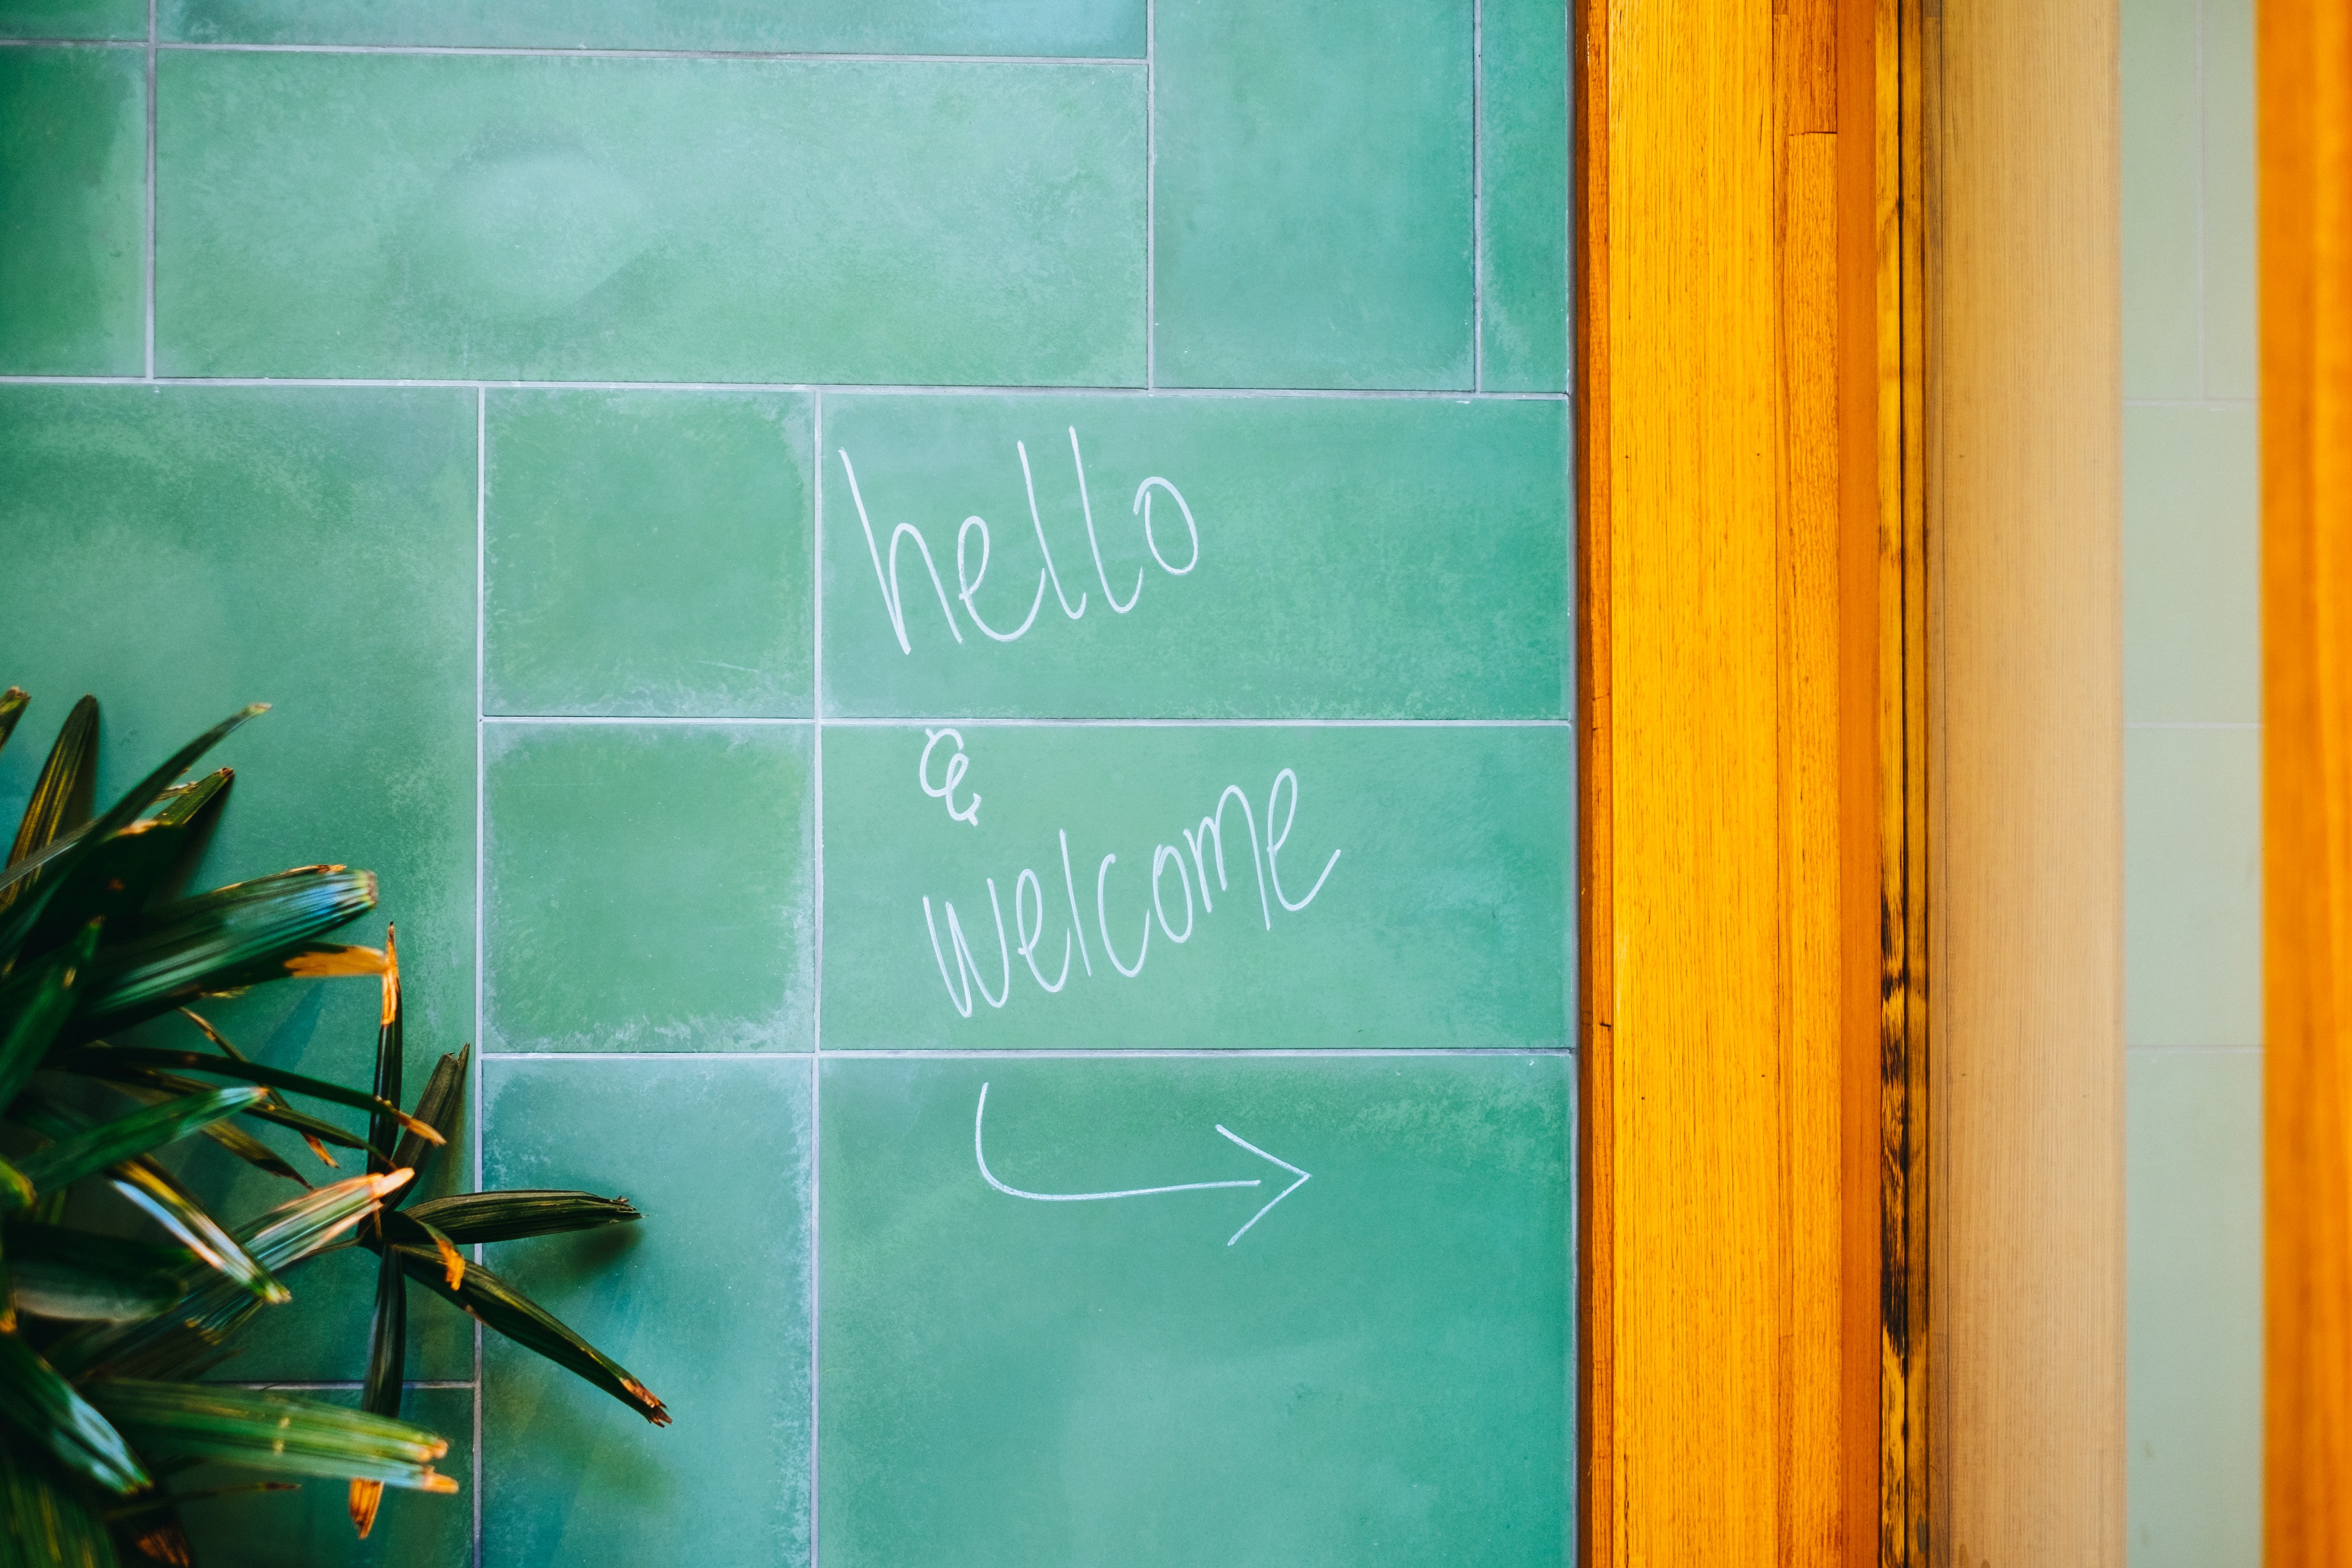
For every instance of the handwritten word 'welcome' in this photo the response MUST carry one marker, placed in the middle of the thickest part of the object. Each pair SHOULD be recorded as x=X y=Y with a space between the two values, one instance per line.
x=968 y=577
x=1207 y=848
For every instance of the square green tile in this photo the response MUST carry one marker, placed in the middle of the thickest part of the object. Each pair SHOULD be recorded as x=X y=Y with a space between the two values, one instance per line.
x=1416 y=887
x=618 y=219
x=73 y=211
x=2192 y=642
x=1377 y=1371
x=312 y=1528
x=705 y=1301
x=2193 y=1159
x=1523 y=165
x=647 y=887
x=2192 y=887
x=646 y=553
x=182 y=551
x=1344 y=557
x=1313 y=181
x=1058 y=28
x=2231 y=358
x=74 y=20
x=2162 y=113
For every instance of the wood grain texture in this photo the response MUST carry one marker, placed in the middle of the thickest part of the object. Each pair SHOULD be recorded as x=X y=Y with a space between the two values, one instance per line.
x=1730 y=575
x=2023 y=467
x=2305 y=67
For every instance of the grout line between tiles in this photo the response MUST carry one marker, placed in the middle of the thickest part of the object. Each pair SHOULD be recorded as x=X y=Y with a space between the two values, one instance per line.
x=2204 y=377
x=816 y=926
x=481 y=858
x=490 y=51
x=847 y=389
x=2191 y=725
x=1107 y=1053
x=148 y=281
x=1477 y=196
x=2184 y=1050
x=911 y=720
x=2208 y=402
x=1150 y=194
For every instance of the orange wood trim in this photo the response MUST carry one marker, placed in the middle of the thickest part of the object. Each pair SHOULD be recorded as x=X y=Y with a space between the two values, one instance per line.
x=1739 y=552
x=2303 y=64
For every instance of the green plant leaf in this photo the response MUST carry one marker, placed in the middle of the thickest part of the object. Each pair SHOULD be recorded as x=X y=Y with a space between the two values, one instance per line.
x=67 y=851
x=387 y=1339
x=131 y=870
x=512 y=1216
x=233 y=936
x=98 y=1059
x=45 y=1408
x=383 y=1132
x=439 y=1107
x=271 y=1431
x=44 y=1524
x=61 y=796
x=145 y=1184
x=35 y=1004
x=76 y=1274
x=11 y=708
x=301 y=1226
x=70 y=1159
x=493 y=1302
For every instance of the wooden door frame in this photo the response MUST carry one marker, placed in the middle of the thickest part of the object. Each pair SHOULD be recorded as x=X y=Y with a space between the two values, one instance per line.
x=1779 y=738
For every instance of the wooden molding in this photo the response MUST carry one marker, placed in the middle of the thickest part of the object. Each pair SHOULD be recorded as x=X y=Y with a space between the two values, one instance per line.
x=2303 y=63
x=1752 y=683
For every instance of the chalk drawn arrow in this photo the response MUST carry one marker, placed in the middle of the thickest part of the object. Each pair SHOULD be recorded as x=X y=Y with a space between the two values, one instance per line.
x=979 y=1155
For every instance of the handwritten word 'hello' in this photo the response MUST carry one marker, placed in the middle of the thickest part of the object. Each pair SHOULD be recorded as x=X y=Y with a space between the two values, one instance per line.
x=1208 y=850
x=967 y=581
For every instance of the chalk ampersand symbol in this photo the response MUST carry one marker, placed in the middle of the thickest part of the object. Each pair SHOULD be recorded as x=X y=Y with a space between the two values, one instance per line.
x=957 y=766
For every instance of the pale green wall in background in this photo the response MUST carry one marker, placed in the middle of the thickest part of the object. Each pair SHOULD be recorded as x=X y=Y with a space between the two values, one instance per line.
x=2192 y=783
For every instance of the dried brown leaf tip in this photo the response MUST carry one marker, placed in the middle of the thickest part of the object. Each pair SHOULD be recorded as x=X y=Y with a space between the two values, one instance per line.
x=328 y=961
x=655 y=1410
x=453 y=1262
x=390 y=975
x=366 y=1497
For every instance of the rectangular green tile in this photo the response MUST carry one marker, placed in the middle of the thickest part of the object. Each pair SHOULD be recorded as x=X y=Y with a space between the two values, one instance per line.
x=1377 y=1370
x=2192 y=887
x=1523 y=191
x=1056 y=27
x=73 y=19
x=2162 y=112
x=182 y=551
x=73 y=211
x=2191 y=525
x=1325 y=557
x=2193 y=1162
x=2231 y=368
x=705 y=1301
x=646 y=553
x=553 y=218
x=312 y=1528
x=647 y=887
x=1313 y=193
x=1379 y=886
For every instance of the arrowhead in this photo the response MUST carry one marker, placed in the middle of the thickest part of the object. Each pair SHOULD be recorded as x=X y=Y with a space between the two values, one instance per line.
x=1303 y=1179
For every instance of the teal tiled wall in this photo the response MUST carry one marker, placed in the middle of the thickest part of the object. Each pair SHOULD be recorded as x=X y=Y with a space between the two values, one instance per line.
x=2191 y=784
x=626 y=441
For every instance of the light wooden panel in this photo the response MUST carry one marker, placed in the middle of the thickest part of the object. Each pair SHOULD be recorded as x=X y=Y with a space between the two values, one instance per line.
x=2305 y=67
x=2025 y=1153
x=1729 y=260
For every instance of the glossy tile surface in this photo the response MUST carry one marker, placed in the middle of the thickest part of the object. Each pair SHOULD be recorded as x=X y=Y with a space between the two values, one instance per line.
x=1389 y=557
x=1523 y=161
x=1312 y=224
x=2193 y=1153
x=2191 y=524
x=1415 y=893
x=73 y=211
x=2163 y=297
x=647 y=887
x=2231 y=346
x=705 y=1301
x=871 y=26
x=1378 y=1369
x=2192 y=866
x=74 y=20
x=373 y=214
x=647 y=554
x=312 y=1528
